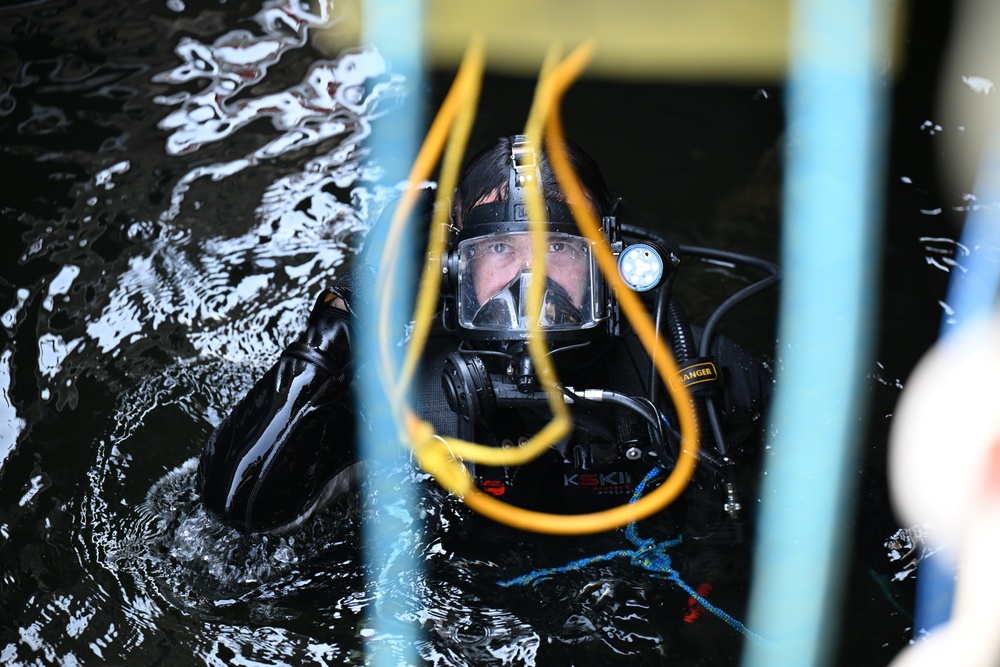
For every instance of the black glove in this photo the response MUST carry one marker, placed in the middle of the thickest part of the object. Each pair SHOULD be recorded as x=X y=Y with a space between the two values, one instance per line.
x=288 y=446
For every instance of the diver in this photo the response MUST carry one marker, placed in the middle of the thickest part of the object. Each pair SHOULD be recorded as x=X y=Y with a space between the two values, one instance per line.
x=288 y=446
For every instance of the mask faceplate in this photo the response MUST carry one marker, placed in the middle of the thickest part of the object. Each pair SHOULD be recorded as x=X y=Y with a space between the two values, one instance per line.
x=495 y=274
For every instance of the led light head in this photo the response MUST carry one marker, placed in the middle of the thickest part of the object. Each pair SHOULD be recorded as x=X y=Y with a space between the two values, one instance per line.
x=641 y=267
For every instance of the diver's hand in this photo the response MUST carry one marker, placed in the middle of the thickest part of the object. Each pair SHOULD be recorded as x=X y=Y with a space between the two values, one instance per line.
x=326 y=341
x=288 y=446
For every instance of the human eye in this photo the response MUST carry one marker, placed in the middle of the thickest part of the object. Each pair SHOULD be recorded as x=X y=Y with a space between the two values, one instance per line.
x=564 y=246
x=490 y=248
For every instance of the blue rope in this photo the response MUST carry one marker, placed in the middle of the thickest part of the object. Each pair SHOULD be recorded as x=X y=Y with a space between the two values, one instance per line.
x=648 y=555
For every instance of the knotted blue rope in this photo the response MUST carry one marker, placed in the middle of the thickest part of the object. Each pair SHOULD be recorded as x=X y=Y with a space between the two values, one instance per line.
x=649 y=555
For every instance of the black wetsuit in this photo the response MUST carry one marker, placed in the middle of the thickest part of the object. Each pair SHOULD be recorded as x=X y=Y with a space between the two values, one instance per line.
x=289 y=445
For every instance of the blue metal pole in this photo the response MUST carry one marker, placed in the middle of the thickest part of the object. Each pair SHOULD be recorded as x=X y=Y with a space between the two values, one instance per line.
x=832 y=209
x=972 y=297
x=391 y=529
x=972 y=289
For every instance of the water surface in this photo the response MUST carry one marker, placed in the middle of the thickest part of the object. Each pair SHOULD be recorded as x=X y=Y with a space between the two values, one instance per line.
x=180 y=179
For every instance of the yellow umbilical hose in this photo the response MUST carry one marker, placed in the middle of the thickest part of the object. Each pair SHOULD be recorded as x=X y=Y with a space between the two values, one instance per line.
x=439 y=455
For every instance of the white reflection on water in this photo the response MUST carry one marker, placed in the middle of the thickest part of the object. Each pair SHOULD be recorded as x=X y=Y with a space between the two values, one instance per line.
x=160 y=580
x=943 y=253
x=241 y=298
x=335 y=98
x=11 y=424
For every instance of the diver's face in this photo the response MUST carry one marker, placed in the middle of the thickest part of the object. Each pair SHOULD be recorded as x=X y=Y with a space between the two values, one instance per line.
x=498 y=259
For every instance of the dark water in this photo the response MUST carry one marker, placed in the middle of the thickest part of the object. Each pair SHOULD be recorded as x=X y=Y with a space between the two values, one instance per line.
x=180 y=178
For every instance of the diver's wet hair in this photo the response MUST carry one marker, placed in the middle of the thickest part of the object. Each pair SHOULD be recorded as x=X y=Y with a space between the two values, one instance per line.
x=485 y=178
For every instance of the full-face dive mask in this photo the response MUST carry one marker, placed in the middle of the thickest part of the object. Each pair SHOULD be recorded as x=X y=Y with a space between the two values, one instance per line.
x=492 y=268
x=496 y=272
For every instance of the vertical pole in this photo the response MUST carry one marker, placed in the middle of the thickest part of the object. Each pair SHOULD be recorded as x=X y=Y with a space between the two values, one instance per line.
x=832 y=208
x=391 y=528
x=972 y=288
x=972 y=298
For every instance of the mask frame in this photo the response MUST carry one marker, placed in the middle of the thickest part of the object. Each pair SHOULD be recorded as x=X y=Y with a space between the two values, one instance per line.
x=511 y=216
